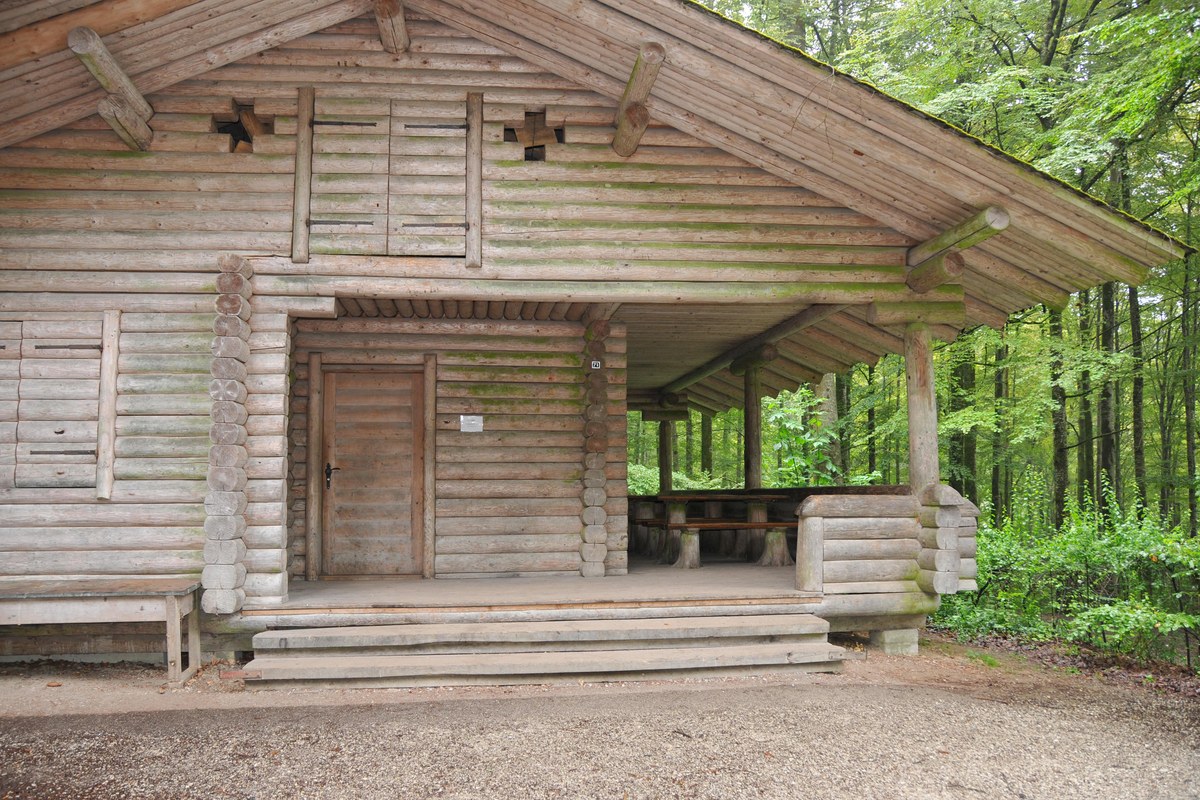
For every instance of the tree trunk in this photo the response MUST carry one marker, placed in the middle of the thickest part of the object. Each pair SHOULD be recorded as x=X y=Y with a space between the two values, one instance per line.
x=871 y=452
x=706 y=444
x=827 y=413
x=1188 y=321
x=1107 y=416
x=1085 y=452
x=843 y=413
x=1139 y=395
x=1058 y=415
x=999 y=438
x=687 y=447
x=666 y=441
x=963 y=444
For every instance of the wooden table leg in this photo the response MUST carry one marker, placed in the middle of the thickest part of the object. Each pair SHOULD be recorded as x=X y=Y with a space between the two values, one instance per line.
x=689 y=549
x=755 y=512
x=676 y=515
x=775 y=549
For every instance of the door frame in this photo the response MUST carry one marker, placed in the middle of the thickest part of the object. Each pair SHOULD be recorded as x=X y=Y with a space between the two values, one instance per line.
x=314 y=497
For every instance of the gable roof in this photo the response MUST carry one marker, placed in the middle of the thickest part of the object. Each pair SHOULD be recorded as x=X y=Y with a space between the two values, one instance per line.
x=722 y=83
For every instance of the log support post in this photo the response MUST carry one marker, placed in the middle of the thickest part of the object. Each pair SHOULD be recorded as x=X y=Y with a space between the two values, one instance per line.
x=748 y=367
x=474 y=181
x=306 y=101
x=224 y=572
x=594 y=545
x=666 y=447
x=124 y=108
x=810 y=553
x=106 y=426
x=922 y=408
x=633 y=117
x=393 y=33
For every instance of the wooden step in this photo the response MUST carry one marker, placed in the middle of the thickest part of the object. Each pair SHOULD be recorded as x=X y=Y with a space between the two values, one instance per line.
x=596 y=634
x=539 y=667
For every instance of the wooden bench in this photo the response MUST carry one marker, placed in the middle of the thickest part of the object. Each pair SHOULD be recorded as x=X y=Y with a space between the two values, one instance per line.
x=87 y=600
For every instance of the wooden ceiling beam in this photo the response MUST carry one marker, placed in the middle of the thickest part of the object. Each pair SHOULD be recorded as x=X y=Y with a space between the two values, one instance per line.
x=809 y=316
x=393 y=32
x=49 y=35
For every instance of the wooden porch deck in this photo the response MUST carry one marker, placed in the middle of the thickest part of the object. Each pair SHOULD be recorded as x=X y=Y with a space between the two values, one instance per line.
x=646 y=586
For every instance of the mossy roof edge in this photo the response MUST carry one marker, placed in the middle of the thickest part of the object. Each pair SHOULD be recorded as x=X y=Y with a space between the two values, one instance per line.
x=796 y=52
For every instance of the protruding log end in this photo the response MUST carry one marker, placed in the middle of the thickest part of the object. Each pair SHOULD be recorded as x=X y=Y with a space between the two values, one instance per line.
x=630 y=127
x=652 y=53
x=84 y=41
x=996 y=218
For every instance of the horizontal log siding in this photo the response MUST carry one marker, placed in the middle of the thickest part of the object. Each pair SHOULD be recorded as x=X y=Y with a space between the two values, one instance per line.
x=507 y=499
x=153 y=525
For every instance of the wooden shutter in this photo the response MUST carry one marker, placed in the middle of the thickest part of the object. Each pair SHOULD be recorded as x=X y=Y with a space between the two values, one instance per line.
x=58 y=403
x=350 y=176
x=427 y=183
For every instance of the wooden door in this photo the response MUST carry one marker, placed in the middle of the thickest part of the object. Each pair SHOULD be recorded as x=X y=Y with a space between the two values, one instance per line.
x=374 y=463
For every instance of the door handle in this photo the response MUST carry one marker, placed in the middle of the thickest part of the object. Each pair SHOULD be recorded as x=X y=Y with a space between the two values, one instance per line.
x=329 y=470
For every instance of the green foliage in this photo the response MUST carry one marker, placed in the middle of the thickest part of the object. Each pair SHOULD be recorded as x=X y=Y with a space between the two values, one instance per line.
x=794 y=432
x=643 y=480
x=1134 y=627
x=1116 y=579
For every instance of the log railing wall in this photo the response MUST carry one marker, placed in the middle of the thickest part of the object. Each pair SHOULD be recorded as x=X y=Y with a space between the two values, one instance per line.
x=877 y=553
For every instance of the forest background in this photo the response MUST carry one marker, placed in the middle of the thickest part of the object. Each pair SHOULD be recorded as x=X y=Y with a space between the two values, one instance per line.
x=1074 y=429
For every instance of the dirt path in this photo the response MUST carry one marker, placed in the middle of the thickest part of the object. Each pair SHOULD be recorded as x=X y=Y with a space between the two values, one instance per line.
x=953 y=723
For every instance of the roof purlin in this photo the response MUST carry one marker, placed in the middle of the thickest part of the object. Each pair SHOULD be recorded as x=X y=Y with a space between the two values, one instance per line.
x=168 y=73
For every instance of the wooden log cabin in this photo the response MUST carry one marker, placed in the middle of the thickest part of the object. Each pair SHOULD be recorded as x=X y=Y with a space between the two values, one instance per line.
x=305 y=304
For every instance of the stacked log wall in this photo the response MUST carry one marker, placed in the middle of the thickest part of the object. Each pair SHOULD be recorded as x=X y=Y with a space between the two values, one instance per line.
x=508 y=499
x=86 y=226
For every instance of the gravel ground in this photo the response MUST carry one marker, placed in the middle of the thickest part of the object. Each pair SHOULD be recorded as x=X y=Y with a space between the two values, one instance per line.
x=946 y=725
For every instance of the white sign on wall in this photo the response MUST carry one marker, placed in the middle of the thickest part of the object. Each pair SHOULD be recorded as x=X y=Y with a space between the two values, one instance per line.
x=468 y=423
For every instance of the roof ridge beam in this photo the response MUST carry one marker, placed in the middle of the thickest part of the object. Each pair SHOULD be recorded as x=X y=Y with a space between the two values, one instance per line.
x=393 y=32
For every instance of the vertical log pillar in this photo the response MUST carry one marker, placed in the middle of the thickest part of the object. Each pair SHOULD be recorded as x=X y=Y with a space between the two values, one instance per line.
x=752 y=395
x=748 y=367
x=225 y=504
x=106 y=426
x=922 y=409
x=594 y=547
x=302 y=189
x=666 y=450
